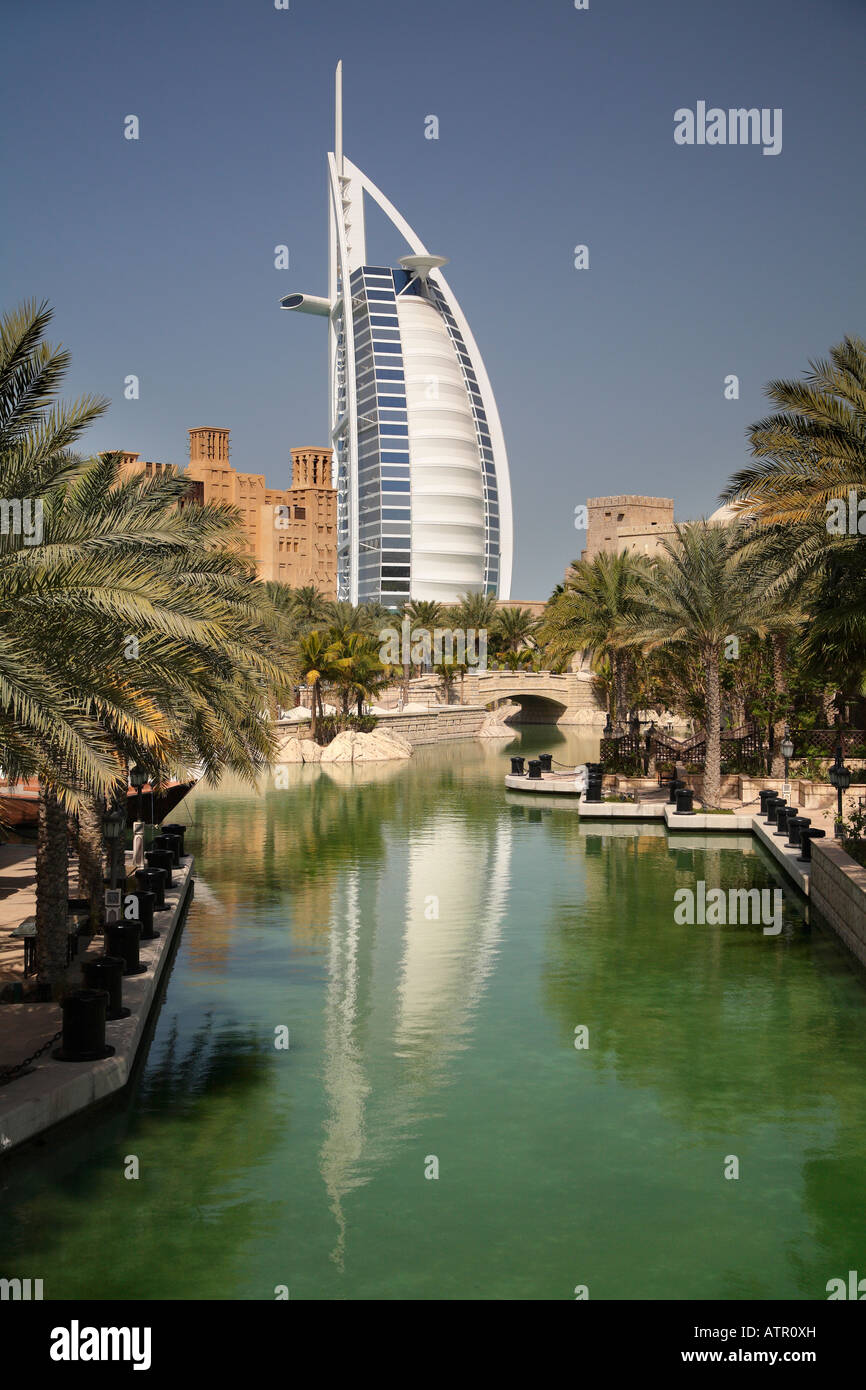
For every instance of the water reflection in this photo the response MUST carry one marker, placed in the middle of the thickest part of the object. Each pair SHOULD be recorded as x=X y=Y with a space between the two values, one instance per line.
x=432 y=943
x=411 y=949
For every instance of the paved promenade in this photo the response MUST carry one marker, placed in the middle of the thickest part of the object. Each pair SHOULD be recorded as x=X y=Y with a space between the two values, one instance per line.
x=17 y=901
x=52 y=1091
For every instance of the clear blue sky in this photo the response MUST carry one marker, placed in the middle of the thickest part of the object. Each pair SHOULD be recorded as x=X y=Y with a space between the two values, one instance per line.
x=556 y=128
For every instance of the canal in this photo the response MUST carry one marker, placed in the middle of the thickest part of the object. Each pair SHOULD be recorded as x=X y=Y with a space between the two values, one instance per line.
x=432 y=949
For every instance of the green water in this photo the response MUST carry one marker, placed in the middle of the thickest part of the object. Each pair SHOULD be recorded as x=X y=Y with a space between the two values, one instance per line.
x=415 y=1037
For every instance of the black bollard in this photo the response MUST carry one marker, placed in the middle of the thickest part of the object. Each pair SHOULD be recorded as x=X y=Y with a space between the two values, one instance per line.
x=796 y=826
x=158 y=885
x=122 y=939
x=546 y=760
x=83 y=1027
x=594 y=775
x=676 y=785
x=685 y=797
x=143 y=905
x=174 y=828
x=534 y=770
x=781 y=817
x=764 y=798
x=152 y=881
x=171 y=845
x=807 y=835
x=160 y=859
x=792 y=815
x=517 y=767
x=771 y=804
x=106 y=972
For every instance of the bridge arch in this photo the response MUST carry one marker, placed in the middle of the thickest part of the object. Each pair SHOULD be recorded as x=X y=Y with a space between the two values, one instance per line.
x=532 y=708
x=543 y=697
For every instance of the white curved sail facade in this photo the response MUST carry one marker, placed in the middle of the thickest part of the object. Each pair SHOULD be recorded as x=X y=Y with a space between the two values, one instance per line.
x=424 y=500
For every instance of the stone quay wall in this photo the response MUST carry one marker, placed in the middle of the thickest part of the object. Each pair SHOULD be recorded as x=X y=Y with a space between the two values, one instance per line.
x=446 y=722
x=837 y=889
x=451 y=721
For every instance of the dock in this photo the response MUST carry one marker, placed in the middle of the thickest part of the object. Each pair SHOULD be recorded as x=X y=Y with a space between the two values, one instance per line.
x=52 y=1091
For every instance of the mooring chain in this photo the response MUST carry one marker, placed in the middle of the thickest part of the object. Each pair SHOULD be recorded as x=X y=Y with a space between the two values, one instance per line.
x=9 y=1073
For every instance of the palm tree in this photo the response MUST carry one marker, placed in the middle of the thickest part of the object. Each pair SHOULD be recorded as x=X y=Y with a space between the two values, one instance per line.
x=424 y=615
x=513 y=630
x=110 y=559
x=316 y=657
x=811 y=453
x=587 y=616
x=448 y=671
x=700 y=590
x=359 y=672
x=516 y=661
x=813 y=449
x=476 y=611
x=310 y=608
x=367 y=618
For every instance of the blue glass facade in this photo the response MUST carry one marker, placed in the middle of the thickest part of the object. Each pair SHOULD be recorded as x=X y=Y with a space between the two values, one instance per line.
x=384 y=503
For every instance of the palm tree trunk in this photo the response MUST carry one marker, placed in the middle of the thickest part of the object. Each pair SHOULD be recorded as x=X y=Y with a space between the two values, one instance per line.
x=52 y=891
x=314 y=712
x=117 y=848
x=828 y=705
x=91 y=860
x=620 y=686
x=713 y=760
x=779 y=646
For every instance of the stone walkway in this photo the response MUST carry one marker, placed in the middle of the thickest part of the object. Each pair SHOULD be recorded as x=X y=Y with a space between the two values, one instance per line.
x=17 y=902
x=53 y=1090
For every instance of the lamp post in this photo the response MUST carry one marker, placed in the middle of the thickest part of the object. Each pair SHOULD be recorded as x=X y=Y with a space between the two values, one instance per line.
x=787 y=751
x=138 y=777
x=840 y=776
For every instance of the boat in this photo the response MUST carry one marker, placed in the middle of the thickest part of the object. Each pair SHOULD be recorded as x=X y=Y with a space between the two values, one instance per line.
x=19 y=803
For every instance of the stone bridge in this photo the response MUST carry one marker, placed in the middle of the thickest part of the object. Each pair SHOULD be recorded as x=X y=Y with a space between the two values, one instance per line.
x=543 y=697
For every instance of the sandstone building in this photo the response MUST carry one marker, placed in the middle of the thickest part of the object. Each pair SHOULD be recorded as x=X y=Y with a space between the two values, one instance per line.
x=291 y=532
x=627 y=522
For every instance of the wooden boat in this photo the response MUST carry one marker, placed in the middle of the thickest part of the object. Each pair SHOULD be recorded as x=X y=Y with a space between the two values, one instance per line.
x=19 y=804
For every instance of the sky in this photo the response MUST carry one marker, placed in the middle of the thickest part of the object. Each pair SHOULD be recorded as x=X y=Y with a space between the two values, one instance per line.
x=556 y=129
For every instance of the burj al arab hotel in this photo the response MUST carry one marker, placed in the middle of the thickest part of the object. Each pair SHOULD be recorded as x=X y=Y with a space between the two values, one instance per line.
x=424 y=500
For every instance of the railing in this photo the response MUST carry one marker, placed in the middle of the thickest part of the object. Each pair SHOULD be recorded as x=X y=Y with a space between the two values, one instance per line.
x=740 y=747
x=827 y=740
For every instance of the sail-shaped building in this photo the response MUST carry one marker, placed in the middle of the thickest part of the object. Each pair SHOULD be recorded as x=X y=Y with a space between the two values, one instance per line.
x=424 y=500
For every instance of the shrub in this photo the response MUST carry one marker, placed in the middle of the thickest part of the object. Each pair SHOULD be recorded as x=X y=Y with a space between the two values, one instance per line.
x=334 y=724
x=811 y=767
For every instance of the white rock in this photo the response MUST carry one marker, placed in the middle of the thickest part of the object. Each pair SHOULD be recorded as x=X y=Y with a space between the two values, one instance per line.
x=398 y=746
x=289 y=750
x=378 y=746
x=341 y=749
x=310 y=752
